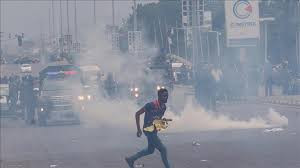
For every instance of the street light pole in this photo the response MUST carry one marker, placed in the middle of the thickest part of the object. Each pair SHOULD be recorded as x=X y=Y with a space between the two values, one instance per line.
x=113 y=12
x=61 y=22
x=0 y=28
x=95 y=12
x=75 y=21
x=266 y=41
x=298 y=39
x=134 y=16
x=53 y=22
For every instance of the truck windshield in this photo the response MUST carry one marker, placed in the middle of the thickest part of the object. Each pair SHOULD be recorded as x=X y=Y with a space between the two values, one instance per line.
x=60 y=84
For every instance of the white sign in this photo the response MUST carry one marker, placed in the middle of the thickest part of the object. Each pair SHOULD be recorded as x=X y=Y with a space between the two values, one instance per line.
x=242 y=22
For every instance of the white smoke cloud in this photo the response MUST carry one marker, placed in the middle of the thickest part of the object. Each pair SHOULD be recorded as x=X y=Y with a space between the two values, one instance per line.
x=125 y=67
x=130 y=69
x=195 y=118
x=111 y=114
x=277 y=119
x=120 y=114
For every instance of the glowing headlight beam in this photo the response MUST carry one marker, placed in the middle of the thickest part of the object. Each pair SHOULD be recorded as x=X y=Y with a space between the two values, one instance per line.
x=89 y=97
x=80 y=97
x=160 y=87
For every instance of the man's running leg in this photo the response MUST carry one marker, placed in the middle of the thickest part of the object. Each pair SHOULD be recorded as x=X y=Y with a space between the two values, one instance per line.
x=148 y=151
x=162 y=149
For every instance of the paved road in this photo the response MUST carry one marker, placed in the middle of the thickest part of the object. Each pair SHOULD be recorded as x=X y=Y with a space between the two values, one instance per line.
x=105 y=147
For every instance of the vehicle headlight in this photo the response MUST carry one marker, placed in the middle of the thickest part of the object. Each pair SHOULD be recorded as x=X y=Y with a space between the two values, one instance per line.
x=89 y=97
x=160 y=87
x=42 y=109
x=136 y=95
x=136 y=89
x=80 y=97
x=131 y=89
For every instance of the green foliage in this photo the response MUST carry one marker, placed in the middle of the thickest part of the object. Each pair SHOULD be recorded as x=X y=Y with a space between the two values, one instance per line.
x=155 y=19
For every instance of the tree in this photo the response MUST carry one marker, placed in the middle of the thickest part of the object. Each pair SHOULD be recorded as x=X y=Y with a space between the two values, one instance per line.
x=156 y=19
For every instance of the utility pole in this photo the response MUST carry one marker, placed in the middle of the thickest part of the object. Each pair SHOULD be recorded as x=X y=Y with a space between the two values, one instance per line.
x=76 y=44
x=49 y=19
x=113 y=12
x=75 y=20
x=298 y=38
x=134 y=16
x=177 y=39
x=195 y=36
x=95 y=13
x=69 y=37
x=61 y=40
x=61 y=19
x=155 y=34
x=53 y=19
x=68 y=23
x=0 y=30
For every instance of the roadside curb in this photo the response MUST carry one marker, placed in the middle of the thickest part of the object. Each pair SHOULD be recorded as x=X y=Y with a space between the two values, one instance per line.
x=280 y=100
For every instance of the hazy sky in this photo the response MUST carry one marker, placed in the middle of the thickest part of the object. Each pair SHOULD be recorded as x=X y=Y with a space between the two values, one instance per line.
x=32 y=17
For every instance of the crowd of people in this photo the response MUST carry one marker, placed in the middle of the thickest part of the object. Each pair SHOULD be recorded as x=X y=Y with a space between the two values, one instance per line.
x=22 y=96
x=236 y=83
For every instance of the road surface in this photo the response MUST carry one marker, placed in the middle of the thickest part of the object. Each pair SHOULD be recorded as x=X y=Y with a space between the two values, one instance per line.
x=105 y=147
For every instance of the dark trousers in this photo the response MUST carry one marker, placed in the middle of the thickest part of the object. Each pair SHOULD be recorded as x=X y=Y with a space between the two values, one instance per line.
x=13 y=104
x=153 y=143
x=268 y=87
x=30 y=112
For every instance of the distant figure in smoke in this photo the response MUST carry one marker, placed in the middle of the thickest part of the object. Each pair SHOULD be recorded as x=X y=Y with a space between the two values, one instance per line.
x=268 y=78
x=205 y=88
x=13 y=94
x=29 y=100
x=22 y=96
x=152 y=110
x=110 y=86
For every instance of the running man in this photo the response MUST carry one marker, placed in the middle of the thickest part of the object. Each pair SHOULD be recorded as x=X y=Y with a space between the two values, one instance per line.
x=153 y=110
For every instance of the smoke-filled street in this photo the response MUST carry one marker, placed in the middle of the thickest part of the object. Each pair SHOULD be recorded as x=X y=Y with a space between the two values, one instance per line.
x=104 y=146
x=150 y=84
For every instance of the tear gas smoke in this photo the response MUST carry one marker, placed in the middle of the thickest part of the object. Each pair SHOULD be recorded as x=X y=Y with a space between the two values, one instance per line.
x=195 y=118
x=120 y=113
x=113 y=114
x=110 y=114
x=276 y=118
x=126 y=68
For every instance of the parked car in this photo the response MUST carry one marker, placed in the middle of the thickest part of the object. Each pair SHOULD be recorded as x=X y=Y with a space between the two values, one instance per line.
x=26 y=68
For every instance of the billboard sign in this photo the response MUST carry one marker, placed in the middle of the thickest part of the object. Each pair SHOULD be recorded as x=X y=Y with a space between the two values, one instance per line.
x=242 y=23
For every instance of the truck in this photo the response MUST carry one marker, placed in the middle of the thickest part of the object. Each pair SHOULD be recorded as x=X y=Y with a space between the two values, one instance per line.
x=61 y=97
